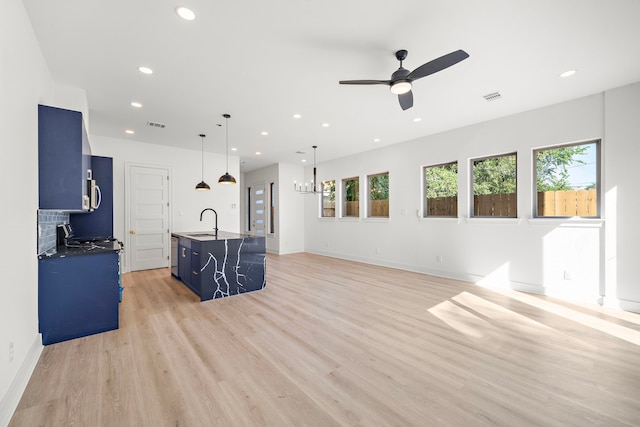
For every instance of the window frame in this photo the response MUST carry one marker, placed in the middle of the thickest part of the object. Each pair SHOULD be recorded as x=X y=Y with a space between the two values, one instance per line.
x=369 y=200
x=343 y=197
x=425 y=205
x=335 y=197
x=472 y=192
x=598 y=186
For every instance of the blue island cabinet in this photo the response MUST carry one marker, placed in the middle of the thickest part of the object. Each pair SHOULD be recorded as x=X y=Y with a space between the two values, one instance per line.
x=77 y=296
x=218 y=266
x=64 y=160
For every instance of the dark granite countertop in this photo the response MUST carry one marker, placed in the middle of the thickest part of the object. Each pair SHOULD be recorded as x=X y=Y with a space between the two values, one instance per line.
x=92 y=248
x=207 y=236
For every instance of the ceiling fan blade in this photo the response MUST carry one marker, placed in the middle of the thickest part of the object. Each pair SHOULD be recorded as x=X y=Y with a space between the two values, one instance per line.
x=406 y=100
x=438 y=64
x=365 y=82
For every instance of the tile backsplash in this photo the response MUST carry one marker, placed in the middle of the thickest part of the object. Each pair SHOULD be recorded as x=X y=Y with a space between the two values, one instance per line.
x=47 y=222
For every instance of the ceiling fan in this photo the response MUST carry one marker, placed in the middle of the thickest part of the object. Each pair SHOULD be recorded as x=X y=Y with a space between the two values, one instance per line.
x=401 y=79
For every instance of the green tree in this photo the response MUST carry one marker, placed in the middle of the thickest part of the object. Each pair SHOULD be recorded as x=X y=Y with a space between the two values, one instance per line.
x=495 y=175
x=352 y=190
x=441 y=181
x=552 y=167
x=379 y=187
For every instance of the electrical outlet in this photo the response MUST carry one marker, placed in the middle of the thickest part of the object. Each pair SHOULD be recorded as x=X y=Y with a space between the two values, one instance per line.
x=439 y=259
x=11 y=351
x=568 y=275
x=377 y=250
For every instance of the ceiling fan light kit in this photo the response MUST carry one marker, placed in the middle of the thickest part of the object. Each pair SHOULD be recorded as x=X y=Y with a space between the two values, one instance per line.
x=401 y=80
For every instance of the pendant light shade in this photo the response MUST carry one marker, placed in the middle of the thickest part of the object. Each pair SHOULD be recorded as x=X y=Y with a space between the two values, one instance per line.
x=227 y=178
x=202 y=185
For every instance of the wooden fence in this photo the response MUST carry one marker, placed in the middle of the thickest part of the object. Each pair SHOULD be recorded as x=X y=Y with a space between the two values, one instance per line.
x=568 y=203
x=550 y=203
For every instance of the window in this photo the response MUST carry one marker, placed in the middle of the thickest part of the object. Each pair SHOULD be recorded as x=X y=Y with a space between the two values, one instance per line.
x=494 y=187
x=351 y=197
x=272 y=208
x=567 y=181
x=378 y=195
x=441 y=190
x=328 y=199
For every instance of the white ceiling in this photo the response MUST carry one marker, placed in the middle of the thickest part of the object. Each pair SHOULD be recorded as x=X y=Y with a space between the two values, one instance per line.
x=262 y=61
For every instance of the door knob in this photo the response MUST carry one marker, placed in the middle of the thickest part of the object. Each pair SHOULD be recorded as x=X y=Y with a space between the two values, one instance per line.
x=132 y=231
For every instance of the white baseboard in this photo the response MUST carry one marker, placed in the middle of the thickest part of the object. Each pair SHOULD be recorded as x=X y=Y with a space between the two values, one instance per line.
x=10 y=401
x=622 y=304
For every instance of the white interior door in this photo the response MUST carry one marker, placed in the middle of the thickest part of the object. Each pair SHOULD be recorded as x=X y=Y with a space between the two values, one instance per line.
x=258 y=209
x=148 y=217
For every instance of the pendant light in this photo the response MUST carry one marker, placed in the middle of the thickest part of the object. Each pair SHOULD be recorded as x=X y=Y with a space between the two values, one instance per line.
x=202 y=185
x=227 y=178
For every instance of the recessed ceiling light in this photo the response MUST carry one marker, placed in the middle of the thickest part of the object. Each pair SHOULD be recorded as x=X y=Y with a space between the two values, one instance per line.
x=234 y=149
x=145 y=70
x=129 y=131
x=417 y=119
x=136 y=104
x=304 y=160
x=568 y=73
x=258 y=153
x=325 y=125
x=185 y=13
x=264 y=133
x=297 y=116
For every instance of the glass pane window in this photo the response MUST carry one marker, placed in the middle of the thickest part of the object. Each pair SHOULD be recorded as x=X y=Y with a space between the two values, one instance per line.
x=495 y=186
x=328 y=199
x=351 y=197
x=378 y=195
x=567 y=180
x=441 y=190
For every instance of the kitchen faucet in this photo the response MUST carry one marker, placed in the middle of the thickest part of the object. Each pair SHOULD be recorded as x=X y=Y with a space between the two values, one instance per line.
x=215 y=229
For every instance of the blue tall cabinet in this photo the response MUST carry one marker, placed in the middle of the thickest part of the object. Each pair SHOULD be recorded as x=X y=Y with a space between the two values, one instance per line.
x=64 y=160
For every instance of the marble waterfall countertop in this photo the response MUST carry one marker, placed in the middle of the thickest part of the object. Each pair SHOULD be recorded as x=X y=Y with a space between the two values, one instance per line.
x=220 y=266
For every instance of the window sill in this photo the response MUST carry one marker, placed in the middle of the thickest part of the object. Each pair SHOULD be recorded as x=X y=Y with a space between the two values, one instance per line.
x=349 y=218
x=568 y=222
x=495 y=220
x=327 y=218
x=451 y=219
x=376 y=219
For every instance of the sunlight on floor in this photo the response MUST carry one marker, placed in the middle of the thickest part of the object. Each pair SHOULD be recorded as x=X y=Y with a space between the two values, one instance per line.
x=593 y=322
x=476 y=317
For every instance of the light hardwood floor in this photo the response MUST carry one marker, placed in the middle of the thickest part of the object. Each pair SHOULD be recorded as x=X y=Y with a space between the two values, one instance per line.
x=330 y=342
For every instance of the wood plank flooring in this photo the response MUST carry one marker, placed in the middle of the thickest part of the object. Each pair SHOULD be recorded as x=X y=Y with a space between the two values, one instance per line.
x=330 y=342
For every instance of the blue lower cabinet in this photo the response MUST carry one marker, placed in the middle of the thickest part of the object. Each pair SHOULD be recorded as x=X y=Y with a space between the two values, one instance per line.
x=77 y=296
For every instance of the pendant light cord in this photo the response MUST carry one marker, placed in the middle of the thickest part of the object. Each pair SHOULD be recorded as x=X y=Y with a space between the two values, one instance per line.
x=227 y=131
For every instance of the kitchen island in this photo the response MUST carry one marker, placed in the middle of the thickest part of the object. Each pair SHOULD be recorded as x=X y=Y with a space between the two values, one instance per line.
x=219 y=265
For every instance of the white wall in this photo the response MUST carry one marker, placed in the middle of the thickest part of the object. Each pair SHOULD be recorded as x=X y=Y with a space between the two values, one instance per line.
x=291 y=209
x=186 y=202
x=25 y=81
x=524 y=254
x=622 y=131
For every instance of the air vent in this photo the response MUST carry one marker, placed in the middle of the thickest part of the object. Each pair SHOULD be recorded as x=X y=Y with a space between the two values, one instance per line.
x=301 y=152
x=156 y=125
x=492 y=96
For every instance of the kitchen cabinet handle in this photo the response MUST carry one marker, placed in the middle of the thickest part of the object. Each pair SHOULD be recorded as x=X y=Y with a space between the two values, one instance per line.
x=195 y=272
x=183 y=253
x=196 y=253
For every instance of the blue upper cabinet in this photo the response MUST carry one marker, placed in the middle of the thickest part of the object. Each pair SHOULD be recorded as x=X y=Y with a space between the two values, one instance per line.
x=64 y=160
